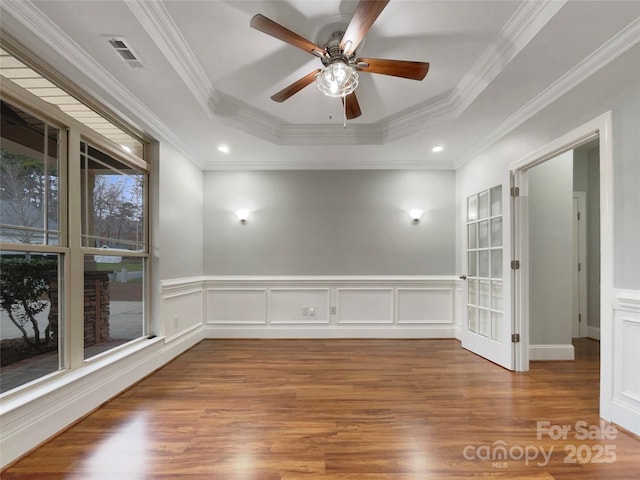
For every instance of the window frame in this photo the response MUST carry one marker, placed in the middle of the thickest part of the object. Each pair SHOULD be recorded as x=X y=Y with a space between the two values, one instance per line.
x=70 y=249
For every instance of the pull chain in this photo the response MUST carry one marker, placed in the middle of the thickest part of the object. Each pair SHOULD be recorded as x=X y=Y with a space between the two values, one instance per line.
x=344 y=111
x=344 y=102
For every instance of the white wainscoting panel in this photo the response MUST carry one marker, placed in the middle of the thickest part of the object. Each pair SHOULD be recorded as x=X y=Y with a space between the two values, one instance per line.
x=631 y=356
x=298 y=306
x=626 y=358
x=425 y=305
x=364 y=305
x=181 y=307
x=331 y=306
x=236 y=306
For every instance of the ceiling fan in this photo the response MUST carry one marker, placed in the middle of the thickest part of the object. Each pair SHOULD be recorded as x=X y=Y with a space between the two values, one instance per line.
x=339 y=77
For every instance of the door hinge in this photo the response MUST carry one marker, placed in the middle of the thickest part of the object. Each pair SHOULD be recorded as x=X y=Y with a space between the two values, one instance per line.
x=515 y=338
x=515 y=264
x=515 y=191
x=579 y=318
x=578 y=216
x=579 y=266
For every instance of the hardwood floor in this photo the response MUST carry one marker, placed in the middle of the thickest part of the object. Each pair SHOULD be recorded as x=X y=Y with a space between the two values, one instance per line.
x=342 y=409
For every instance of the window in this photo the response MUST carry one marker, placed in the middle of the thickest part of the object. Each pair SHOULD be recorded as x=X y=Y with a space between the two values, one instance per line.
x=73 y=238
x=31 y=255
x=113 y=221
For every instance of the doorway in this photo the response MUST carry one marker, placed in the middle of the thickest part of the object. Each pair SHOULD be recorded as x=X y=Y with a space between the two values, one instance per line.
x=563 y=202
x=596 y=130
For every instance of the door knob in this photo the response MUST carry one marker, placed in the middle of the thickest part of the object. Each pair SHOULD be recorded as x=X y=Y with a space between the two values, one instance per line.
x=463 y=276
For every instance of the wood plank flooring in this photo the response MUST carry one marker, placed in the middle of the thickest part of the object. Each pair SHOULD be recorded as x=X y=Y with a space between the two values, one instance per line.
x=344 y=410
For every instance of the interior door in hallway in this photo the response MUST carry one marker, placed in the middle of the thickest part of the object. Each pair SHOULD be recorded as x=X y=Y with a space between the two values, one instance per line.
x=485 y=331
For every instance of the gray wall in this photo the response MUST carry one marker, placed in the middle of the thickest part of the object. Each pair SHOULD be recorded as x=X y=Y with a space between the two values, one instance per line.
x=329 y=223
x=179 y=246
x=550 y=250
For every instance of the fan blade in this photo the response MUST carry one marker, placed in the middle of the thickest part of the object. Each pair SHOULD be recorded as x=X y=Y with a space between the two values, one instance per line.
x=366 y=13
x=353 y=107
x=268 y=26
x=295 y=87
x=396 y=68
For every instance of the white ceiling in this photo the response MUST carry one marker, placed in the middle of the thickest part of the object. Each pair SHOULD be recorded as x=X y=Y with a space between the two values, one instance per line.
x=208 y=77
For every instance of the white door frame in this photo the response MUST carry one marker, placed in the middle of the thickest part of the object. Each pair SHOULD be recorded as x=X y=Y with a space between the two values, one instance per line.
x=599 y=127
x=579 y=327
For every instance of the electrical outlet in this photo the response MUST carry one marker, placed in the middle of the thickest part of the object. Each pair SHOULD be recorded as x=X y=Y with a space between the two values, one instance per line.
x=312 y=310
x=175 y=321
x=305 y=311
x=334 y=311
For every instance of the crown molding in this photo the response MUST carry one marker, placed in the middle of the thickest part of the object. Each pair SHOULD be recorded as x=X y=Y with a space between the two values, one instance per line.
x=519 y=30
x=624 y=40
x=238 y=114
x=418 y=118
x=159 y=25
x=323 y=134
x=329 y=164
x=33 y=20
x=523 y=25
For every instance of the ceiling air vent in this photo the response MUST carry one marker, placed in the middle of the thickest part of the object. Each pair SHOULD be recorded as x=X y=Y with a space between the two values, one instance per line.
x=125 y=52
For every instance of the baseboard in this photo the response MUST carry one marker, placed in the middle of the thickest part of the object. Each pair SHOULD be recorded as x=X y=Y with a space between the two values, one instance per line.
x=551 y=352
x=627 y=416
x=458 y=332
x=593 y=332
x=364 y=331
x=29 y=420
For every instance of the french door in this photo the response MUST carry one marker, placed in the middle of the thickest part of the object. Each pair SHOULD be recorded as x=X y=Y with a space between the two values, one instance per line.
x=486 y=330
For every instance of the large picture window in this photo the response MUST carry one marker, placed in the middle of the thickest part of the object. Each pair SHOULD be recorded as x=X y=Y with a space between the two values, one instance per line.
x=73 y=241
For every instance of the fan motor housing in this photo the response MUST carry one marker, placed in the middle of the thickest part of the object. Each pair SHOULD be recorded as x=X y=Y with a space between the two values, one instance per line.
x=335 y=53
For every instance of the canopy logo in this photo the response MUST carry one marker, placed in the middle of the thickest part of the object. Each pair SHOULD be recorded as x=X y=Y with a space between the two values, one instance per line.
x=500 y=453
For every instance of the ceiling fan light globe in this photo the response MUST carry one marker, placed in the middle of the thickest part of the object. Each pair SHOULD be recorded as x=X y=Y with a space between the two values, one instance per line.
x=337 y=80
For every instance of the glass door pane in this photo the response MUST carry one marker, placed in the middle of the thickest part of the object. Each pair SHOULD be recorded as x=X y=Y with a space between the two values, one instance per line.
x=496 y=263
x=483 y=263
x=483 y=234
x=483 y=204
x=496 y=201
x=472 y=208
x=471 y=232
x=473 y=319
x=496 y=232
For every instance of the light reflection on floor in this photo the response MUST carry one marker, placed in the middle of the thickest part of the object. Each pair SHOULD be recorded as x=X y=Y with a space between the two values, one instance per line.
x=123 y=454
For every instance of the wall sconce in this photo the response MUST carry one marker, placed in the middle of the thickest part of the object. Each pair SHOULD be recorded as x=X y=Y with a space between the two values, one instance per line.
x=415 y=214
x=243 y=215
